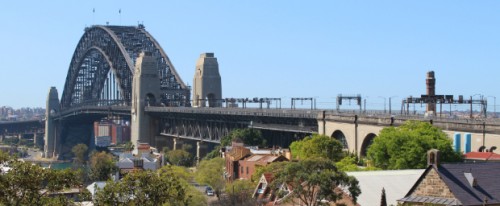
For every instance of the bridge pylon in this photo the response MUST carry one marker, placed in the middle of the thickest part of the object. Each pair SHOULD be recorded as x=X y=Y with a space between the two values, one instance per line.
x=145 y=92
x=50 y=138
x=207 y=82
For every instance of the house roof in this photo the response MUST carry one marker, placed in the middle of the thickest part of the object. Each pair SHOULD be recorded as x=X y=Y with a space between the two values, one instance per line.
x=485 y=156
x=238 y=153
x=395 y=182
x=265 y=158
x=484 y=173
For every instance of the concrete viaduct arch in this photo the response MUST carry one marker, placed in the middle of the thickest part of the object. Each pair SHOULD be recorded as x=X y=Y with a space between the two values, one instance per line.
x=359 y=132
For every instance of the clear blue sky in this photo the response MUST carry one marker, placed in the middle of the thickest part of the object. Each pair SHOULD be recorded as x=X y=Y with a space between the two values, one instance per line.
x=279 y=48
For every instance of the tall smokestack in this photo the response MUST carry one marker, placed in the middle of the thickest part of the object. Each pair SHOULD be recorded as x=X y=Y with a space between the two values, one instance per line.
x=431 y=92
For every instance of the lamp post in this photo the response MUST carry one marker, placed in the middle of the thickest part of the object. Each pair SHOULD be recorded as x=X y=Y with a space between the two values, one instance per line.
x=494 y=106
x=384 y=103
x=471 y=103
x=364 y=102
x=390 y=103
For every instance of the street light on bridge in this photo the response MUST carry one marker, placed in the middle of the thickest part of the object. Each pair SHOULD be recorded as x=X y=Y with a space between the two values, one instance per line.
x=494 y=106
x=390 y=103
x=384 y=103
x=480 y=96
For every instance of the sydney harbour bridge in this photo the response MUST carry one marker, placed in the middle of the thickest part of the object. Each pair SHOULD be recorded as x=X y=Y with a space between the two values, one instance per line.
x=121 y=72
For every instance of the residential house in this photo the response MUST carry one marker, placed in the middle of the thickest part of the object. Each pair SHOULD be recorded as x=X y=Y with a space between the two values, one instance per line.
x=233 y=156
x=241 y=161
x=395 y=182
x=249 y=165
x=455 y=184
x=143 y=161
x=283 y=195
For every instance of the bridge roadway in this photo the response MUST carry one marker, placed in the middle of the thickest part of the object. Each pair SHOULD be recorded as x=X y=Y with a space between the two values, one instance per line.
x=209 y=124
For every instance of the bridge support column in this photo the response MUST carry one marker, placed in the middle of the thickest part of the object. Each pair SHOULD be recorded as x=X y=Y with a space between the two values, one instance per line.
x=145 y=92
x=200 y=147
x=50 y=138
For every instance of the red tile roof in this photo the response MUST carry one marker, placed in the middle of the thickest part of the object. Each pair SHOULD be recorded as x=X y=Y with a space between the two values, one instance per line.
x=485 y=156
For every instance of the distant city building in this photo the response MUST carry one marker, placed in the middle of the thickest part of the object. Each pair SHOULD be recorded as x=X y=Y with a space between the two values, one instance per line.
x=9 y=114
x=111 y=133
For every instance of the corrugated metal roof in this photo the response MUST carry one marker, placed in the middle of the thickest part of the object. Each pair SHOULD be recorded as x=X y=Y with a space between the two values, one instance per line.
x=433 y=200
x=396 y=183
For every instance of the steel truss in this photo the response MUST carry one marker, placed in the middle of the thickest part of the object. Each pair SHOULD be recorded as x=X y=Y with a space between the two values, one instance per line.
x=211 y=130
x=103 y=63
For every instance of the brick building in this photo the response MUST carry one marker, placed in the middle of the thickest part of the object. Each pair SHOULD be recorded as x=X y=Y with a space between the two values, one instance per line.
x=241 y=161
x=455 y=184
x=249 y=165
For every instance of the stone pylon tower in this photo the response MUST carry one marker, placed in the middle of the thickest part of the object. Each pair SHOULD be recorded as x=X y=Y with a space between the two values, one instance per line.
x=207 y=86
x=50 y=137
x=430 y=82
x=145 y=92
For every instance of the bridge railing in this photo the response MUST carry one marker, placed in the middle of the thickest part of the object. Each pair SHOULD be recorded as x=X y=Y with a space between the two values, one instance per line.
x=302 y=113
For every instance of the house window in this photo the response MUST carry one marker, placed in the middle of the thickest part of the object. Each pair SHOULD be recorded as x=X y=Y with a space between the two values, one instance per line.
x=247 y=170
x=241 y=169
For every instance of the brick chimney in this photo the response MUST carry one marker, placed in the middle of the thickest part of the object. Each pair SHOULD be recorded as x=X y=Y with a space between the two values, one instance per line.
x=433 y=156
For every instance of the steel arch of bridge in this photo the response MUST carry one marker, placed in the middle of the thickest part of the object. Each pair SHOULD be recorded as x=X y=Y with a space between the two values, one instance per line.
x=106 y=52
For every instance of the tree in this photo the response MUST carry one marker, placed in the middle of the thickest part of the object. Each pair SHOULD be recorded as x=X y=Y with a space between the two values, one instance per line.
x=240 y=191
x=180 y=158
x=102 y=166
x=406 y=146
x=315 y=179
x=196 y=197
x=144 y=188
x=79 y=151
x=272 y=168
x=248 y=136
x=349 y=163
x=211 y=172
x=317 y=146
x=29 y=184
x=128 y=146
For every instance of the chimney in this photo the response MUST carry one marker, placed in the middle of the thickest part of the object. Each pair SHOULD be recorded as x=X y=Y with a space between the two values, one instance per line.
x=433 y=156
x=430 y=82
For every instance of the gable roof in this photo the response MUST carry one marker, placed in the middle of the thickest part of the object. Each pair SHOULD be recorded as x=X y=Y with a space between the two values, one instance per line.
x=484 y=173
x=265 y=158
x=238 y=153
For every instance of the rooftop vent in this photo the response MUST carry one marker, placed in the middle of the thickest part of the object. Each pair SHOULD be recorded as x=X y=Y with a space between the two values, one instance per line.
x=472 y=181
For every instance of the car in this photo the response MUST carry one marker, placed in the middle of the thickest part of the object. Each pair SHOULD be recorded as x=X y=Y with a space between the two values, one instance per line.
x=209 y=191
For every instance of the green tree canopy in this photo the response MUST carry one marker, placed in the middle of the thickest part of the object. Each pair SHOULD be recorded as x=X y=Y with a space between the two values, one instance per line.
x=128 y=146
x=406 y=146
x=144 y=188
x=184 y=176
x=315 y=179
x=211 y=172
x=317 y=146
x=79 y=151
x=180 y=157
x=249 y=136
x=102 y=165
x=29 y=184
